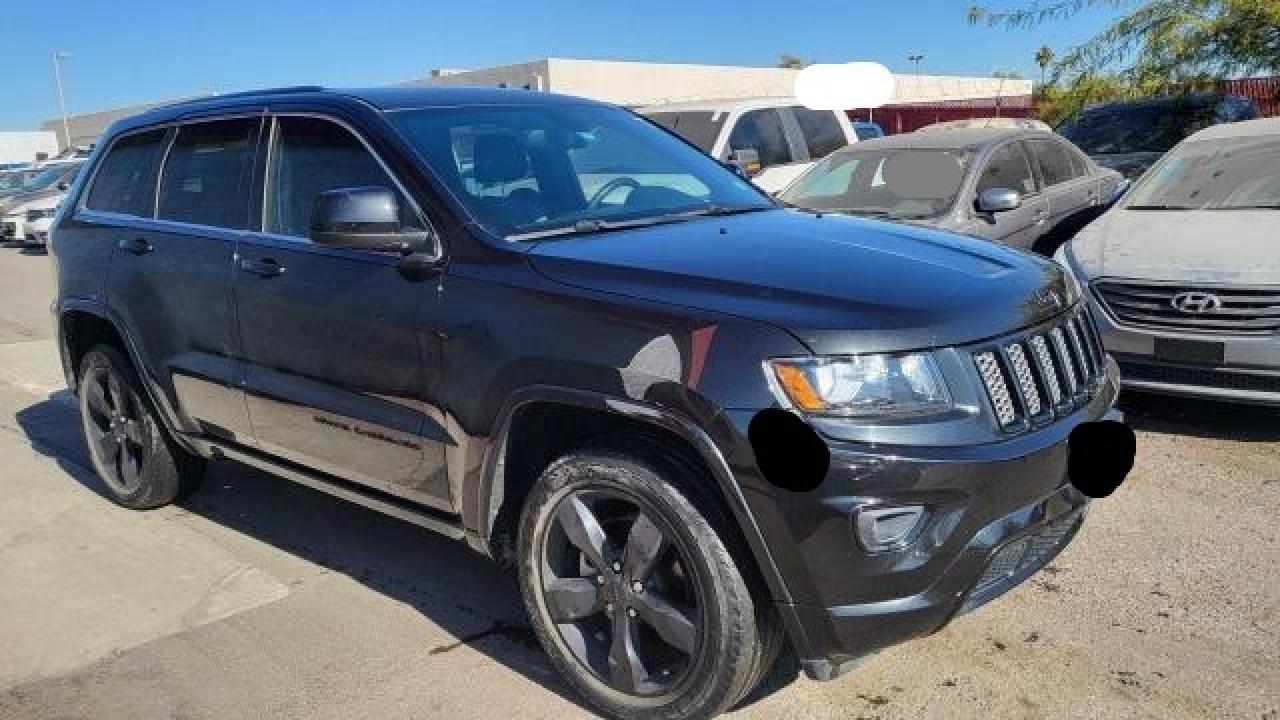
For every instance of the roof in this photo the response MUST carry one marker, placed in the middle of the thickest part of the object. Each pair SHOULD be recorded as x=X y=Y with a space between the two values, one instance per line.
x=720 y=105
x=948 y=140
x=1246 y=128
x=381 y=98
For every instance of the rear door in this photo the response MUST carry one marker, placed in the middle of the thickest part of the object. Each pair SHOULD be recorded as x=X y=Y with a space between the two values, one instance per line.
x=1008 y=166
x=170 y=276
x=1072 y=191
x=338 y=376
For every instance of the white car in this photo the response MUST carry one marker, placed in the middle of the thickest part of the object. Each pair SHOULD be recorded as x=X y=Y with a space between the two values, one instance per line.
x=773 y=139
x=1183 y=275
x=39 y=202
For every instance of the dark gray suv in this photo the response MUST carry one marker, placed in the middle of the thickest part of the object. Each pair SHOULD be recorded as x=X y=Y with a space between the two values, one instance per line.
x=705 y=429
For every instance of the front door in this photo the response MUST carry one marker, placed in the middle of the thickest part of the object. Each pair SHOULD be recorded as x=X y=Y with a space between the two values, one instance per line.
x=1009 y=167
x=339 y=377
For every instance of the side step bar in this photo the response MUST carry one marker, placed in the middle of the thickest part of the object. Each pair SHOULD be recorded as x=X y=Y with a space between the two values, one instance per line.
x=368 y=497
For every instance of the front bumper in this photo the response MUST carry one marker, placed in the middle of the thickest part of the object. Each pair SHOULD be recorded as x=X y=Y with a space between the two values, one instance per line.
x=1249 y=373
x=995 y=514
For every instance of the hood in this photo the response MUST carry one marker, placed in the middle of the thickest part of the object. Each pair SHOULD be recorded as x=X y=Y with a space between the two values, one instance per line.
x=839 y=284
x=1131 y=165
x=1210 y=246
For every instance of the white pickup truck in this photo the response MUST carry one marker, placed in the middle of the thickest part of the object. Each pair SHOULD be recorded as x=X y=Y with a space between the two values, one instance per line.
x=773 y=139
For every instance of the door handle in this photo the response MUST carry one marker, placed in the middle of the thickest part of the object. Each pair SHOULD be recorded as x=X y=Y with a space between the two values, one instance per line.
x=266 y=268
x=137 y=246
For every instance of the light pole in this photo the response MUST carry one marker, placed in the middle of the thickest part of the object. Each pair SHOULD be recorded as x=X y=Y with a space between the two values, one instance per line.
x=917 y=58
x=58 y=57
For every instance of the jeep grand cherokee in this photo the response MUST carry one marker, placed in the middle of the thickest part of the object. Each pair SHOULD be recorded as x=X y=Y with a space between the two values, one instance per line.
x=703 y=428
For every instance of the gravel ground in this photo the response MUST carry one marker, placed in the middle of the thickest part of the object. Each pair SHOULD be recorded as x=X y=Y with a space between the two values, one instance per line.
x=257 y=598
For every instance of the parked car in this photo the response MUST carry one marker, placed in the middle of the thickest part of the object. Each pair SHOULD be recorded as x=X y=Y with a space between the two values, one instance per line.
x=37 y=198
x=1185 y=274
x=1011 y=123
x=1130 y=136
x=1025 y=188
x=11 y=181
x=866 y=130
x=669 y=402
x=772 y=139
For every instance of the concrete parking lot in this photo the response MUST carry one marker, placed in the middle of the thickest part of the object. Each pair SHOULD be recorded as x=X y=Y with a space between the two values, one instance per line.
x=257 y=598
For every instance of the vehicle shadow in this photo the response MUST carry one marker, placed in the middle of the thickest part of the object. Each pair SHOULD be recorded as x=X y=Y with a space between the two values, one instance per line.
x=472 y=598
x=468 y=596
x=1169 y=415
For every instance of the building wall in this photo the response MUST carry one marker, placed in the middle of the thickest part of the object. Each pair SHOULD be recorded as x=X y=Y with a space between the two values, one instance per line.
x=643 y=83
x=25 y=147
x=86 y=129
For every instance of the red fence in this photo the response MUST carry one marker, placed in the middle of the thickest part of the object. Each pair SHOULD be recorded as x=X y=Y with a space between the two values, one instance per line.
x=905 y=118
x=1264 y=91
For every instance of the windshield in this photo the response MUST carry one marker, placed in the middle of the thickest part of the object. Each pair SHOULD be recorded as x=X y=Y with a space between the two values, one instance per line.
x=47 y=178
x=1152 y=127
x=533 y=169
x=1231 y=174
x=700 y=128
x=11 y=180
x=900 y=183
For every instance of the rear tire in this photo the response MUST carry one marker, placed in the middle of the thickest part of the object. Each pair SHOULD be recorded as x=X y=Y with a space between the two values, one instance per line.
x=141 y=466
x=711 y=642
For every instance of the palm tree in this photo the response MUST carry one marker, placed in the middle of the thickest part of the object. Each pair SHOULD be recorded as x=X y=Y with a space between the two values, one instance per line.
x=1044 y=58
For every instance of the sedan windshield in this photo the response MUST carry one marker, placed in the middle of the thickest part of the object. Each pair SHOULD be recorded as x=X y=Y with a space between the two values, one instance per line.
x=532 y=171
x=46 y=178
x=1232 y=174
x=898 y=183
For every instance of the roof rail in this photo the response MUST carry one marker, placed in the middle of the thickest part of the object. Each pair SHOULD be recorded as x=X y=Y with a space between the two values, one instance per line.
x=290 y=89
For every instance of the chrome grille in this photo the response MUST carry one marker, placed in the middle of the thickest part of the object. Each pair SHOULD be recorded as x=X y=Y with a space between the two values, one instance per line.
x=1241 y=310
x=1047 y=373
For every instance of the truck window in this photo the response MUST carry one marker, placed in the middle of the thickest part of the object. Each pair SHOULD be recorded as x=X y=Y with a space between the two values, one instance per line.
x=761 y=130
x=821 y=130
x=700 y=128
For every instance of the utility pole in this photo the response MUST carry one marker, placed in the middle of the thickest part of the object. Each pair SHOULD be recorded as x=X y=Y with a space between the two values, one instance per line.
x=58 y=57
x=917 y=58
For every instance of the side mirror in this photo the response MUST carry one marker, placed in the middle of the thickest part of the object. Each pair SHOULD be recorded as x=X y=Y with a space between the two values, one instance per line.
x=362 y=218
x=733 y=167
x=63 y=186
x=997 y=200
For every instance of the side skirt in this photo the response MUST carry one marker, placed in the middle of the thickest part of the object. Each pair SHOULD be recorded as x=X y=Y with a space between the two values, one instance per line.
x=448 y=525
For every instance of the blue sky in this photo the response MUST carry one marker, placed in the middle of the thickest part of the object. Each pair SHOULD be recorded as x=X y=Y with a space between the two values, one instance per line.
x=132 y=51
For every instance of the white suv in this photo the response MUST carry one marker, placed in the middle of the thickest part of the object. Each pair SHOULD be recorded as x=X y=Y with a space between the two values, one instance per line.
x=773 y=139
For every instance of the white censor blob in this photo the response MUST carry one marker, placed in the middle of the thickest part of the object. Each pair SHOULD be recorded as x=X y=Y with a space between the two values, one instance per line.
x=845 y=86
x=923 y=175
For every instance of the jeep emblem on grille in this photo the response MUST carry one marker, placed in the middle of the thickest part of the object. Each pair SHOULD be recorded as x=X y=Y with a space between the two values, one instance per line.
x=1196 y=302
x=1047 y=298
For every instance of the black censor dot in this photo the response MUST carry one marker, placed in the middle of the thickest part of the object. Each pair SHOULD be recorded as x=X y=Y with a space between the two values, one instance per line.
x=788 y=451
x=1100 y=456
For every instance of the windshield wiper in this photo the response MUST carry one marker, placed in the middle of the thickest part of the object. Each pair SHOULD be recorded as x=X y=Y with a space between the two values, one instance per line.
x=1247 y=207
x=1159 y=207
x=592 y=226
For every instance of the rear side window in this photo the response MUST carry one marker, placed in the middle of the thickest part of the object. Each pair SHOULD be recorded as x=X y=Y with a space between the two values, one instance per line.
x=1009 y=169
x=206 y=176
x=126 y=179
x=761 y=130
x=1055 y=162
x=311 y=156
x=821 y=129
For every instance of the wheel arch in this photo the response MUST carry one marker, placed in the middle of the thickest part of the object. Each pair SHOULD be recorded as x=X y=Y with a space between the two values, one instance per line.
x=524 y=443
x=81 y=325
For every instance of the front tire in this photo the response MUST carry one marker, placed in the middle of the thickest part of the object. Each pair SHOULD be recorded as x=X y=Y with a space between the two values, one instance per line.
x=633 y=593
x=133 y=455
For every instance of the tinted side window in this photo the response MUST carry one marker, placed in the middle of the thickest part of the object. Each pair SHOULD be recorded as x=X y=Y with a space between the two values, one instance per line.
x=311 y=156
x=206 y=176
x=1008 y=168
x=125 y=182
x=761 y=130
x=1055 y=162
x=822 y=132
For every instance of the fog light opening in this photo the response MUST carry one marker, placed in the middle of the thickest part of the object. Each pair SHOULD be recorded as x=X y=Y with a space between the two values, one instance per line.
x=887 y=528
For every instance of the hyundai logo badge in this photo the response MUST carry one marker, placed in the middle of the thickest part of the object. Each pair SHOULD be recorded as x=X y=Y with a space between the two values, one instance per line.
x=1195 y=302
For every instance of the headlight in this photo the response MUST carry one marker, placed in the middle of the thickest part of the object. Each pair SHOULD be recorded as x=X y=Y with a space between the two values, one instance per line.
x=1073 y=283
x=862 y=385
